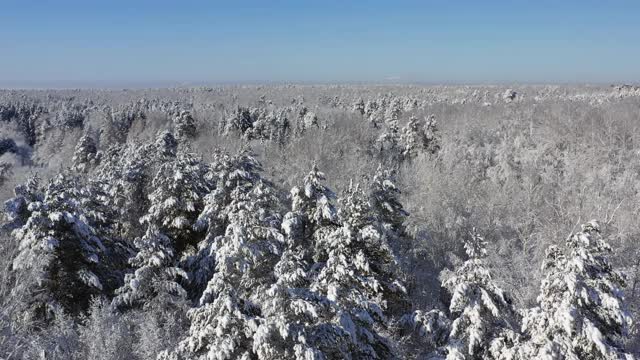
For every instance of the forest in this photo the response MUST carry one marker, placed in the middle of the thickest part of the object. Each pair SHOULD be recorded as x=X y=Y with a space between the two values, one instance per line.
x=320 y=222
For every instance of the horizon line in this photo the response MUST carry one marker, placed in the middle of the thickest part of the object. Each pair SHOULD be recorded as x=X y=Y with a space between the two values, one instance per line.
x=173 y=84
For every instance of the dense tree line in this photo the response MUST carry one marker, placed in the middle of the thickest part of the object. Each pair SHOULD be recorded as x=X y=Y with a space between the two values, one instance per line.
x=265 y=276
x=141 y=248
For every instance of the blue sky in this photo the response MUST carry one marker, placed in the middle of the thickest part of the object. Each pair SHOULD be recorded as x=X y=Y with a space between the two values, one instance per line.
x=144 y=41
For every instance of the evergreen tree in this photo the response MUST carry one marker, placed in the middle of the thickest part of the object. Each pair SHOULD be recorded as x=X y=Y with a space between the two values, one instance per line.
x=155 y=277
x=237 y=173
x=166 y=144
x=129 y=172
x=424 y=332
x=482 y=312
x=390 y=139
x=291 y=310
x=359 y=106
x=314 y=201
x=185 y=125
x=86 y=154
x=18 y=209
x=60 y=245
x=312 y=207
x=296 y=320
x=431 y=137
x=222 y=327
x=580 y=312
x=359 y=280
x=179 y=187
x=385 y=203
x=412 y=138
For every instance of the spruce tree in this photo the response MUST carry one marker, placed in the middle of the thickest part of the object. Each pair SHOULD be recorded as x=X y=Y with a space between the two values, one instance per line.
x=155 y=278
x=61 y=247
x=295 y=319
x=223 y=325
x=482 y=312
x=18 y=209
x=359 y=279
x=85 y=155
x=580 y=312
x=385 y=202
x=412 y=138
x=312 y=205
x=291 y=311
x=179 y=187
x=185 y=125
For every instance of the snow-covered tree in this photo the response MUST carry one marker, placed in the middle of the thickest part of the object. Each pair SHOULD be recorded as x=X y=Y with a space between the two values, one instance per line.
x=129 y=172
x=359 y=279
x=18 y=209
x=86 y=154
x=306 y=120
x=155 y=276
x=166 y=144
x=239 y=122
x=389 y=141
x=291 y=310
x=359 y=106
x=60 y=246
x=393 y=110
x=412 y=138
x=223 y=325
x=179 y=188
x=384 y=200
x=314 y=200
x=431 y=139
x=228 y=173
x=185 y=125
x=580 y=312
x=295 y=320
x=417 y=138
x=482 y=312
x=312 y=206
x=425 y=332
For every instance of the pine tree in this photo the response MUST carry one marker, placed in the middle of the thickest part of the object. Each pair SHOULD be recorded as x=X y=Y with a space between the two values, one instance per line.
x=60 y=245
x=312 y=206
x=86 y=154
x=185 y=125
x=482 y=312
x=314 y=201
x=291 y=311
x=166 y=144
x=424 y=332
x=229 y=173
x=155 y=277
x=359 y=279
x=359 y=106
x=222 y=327
x=431 y=137
x=129 y=172
x=296 y=320
x=385 y=203
x=18 y=209
x=389 y=141
x=179 y=187
x=580 y=312
x=412 y=138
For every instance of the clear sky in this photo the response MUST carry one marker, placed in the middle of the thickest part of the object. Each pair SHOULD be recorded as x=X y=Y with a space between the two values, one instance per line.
x=155 y=41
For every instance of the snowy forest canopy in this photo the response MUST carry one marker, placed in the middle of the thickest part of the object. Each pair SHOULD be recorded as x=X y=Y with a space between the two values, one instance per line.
x=320 y=222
